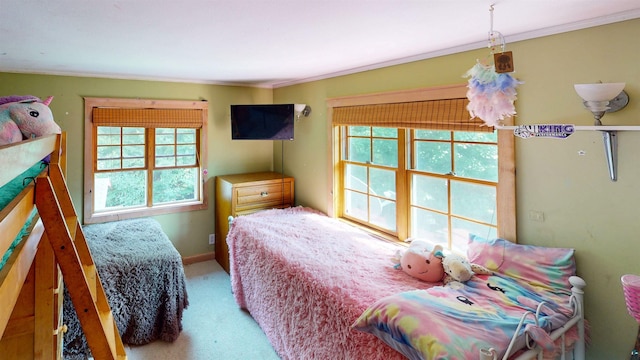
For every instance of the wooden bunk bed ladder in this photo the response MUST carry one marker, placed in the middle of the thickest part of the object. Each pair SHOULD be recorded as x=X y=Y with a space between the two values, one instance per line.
x=65 y=234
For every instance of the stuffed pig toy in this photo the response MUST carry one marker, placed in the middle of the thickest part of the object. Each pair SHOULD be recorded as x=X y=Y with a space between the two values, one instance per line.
x=421 y=262
x=25 y=117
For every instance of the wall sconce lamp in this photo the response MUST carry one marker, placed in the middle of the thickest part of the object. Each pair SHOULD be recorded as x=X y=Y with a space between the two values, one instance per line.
x=600 y=99
x=301 y=110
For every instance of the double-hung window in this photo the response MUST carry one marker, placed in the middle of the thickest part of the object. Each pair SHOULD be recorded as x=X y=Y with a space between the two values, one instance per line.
x=414 y=165
x=143 y=157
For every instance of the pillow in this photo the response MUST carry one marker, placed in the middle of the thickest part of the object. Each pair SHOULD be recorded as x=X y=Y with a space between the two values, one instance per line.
x=540 y=266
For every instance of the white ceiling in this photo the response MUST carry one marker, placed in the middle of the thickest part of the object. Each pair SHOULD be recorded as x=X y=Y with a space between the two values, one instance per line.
x=268 y=43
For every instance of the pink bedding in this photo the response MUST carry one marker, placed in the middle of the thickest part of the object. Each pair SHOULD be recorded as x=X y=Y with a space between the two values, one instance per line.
x=278 y=267
x=322 y=289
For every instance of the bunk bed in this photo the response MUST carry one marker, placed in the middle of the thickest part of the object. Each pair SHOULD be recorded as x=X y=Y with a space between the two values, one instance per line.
x=43 y=247
x=320 y=289
x=30 y=283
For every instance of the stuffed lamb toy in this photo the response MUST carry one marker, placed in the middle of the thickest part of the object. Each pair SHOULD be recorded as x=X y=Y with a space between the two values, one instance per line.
x=457 y=270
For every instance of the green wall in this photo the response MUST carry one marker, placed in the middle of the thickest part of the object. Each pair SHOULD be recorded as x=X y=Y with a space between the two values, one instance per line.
x=189 y=231
x=582 y=208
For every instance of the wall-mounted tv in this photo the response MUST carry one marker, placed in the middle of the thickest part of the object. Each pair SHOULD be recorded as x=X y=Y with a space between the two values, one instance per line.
x=262 y=122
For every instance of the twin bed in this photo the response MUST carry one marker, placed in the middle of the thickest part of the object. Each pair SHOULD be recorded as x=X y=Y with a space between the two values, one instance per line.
x=143 y=277
x=321 y=289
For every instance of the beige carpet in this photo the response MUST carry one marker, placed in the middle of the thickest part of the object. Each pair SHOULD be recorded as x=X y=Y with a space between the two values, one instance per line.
x=213 y=325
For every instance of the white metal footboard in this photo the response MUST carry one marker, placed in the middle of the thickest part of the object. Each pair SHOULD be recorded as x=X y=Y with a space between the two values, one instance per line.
x=577 y=303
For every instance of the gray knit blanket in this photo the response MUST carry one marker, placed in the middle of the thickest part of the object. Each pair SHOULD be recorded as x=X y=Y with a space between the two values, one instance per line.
x=144 y=281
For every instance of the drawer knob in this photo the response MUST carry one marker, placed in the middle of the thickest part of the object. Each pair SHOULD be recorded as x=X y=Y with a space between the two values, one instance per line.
x=264 y=193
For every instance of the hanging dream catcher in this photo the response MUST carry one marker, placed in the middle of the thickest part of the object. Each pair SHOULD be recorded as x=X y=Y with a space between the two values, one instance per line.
x=492 y=89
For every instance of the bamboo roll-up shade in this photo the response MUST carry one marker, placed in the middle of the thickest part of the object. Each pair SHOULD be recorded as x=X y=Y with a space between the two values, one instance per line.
x=150 y=118
x=447 y=114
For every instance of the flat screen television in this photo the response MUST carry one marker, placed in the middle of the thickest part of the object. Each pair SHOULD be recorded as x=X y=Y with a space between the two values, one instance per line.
x=262 y=122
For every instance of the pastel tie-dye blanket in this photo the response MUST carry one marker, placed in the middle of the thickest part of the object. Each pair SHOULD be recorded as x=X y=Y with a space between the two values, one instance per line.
x=444 y=322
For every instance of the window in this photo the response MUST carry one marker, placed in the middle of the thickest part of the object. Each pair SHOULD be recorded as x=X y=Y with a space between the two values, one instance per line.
x=453 y=179
x=370 y=164
x=143 y=157
x=418 y=167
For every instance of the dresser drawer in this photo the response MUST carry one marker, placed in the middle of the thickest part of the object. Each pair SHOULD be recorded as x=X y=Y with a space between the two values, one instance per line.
x=276 y=193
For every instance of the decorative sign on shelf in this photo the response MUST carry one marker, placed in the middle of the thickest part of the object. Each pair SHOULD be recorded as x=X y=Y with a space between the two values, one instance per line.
x=558 y=131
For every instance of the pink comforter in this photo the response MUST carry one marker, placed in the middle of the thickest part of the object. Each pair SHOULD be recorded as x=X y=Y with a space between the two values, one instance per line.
x=305 y=278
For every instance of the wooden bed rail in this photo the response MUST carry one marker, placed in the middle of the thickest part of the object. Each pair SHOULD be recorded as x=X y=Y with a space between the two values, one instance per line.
x=21 y=155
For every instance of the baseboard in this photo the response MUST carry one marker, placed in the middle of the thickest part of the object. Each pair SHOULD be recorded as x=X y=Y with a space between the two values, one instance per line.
x=198 y=258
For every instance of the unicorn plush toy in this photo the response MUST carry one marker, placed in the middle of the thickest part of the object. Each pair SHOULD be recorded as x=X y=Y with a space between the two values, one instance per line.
x=25 y=117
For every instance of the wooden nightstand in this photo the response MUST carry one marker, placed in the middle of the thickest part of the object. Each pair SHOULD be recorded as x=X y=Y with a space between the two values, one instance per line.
x=243 y=194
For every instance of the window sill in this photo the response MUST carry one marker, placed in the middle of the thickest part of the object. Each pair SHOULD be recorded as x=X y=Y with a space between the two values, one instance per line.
x=375 y=233
x=143 y=212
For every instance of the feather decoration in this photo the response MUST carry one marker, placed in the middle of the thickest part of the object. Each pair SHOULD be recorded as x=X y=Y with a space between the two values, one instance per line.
x=491 y=95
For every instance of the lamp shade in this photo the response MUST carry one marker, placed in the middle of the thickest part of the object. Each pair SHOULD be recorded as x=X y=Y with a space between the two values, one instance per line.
x=599 y=92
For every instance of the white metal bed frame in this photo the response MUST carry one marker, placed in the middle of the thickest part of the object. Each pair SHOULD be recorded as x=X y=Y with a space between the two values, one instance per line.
x=577 y=303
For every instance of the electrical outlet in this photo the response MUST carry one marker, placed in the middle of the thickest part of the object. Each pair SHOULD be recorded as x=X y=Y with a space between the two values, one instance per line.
x=212 y=239
x=536 y=216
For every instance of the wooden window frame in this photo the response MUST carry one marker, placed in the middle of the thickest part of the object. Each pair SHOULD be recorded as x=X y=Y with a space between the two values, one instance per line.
x=506 y=187
x=90 y=142
x=398 y=201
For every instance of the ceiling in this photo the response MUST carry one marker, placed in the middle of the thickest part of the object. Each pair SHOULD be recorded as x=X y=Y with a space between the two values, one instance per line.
x=269 y=43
